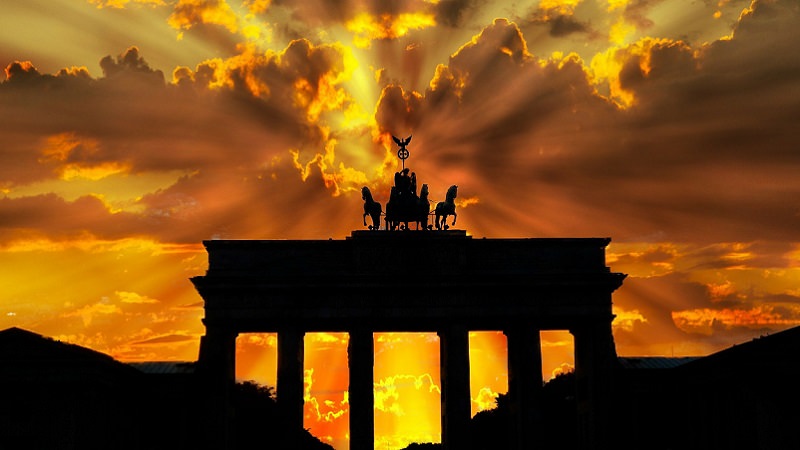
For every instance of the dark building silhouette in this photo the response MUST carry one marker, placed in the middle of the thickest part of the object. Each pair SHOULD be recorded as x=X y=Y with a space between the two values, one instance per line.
x=743 y=397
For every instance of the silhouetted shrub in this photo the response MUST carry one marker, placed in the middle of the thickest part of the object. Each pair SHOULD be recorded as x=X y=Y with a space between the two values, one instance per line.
x=259 y=425
x=489 y=429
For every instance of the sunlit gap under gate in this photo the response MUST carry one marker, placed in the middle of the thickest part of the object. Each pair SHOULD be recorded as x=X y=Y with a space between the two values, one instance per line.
x=406 y=379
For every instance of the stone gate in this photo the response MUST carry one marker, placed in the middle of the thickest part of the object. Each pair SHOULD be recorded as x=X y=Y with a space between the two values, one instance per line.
x=427 y=281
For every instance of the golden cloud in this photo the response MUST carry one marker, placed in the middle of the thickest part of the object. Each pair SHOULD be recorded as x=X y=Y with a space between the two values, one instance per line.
x=486 y=399
x=368 y=27
x=89 y=312
x=627 y=319
x=560 y=7
x=133 y=297
x=257 y=6
x=335 y=409
x=706 y=320
x=188 y=13
x=78 y=157
x=387 y=390
x=563 y=369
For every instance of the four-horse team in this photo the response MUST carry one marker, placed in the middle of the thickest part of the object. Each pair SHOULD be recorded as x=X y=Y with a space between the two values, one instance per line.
x=404 y=205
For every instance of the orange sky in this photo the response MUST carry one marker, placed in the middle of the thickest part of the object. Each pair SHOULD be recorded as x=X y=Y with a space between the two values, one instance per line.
x=132 y=130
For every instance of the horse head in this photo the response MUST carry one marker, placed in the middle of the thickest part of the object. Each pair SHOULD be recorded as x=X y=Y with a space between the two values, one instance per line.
x=365 y=193
x=452 y=192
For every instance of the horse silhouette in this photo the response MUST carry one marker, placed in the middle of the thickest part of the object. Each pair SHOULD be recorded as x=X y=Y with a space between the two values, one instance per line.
x=371 y=208
x=446 y=208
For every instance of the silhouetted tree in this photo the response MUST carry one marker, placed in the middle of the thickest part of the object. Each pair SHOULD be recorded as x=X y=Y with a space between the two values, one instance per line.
x=560 y=418
x=489 y=428
x=259 y=425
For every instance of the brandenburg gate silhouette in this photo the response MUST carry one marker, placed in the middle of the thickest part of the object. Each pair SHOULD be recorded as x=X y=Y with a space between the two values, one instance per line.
x=426 y=280
x=441 y=281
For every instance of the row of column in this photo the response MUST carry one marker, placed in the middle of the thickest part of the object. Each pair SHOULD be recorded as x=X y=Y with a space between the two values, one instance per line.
x=525 y=382
x=593 y=352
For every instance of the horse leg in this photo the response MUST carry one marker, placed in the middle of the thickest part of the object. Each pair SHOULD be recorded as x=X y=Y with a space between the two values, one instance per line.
x=454 y=217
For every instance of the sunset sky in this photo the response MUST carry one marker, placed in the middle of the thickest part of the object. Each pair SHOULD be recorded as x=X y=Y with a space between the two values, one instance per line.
x=132 y=130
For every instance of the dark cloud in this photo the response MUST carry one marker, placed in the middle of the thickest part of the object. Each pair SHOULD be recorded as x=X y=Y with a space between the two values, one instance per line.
x=237 y=142
x=139 y=119
x=706 y=153
x=636 y=13
x=698 y=155
x=453 y=13
x=128 y=62
x=758 y=255
x=52 y=217
x=18 y=72
x=173 y=338
x=655 y=298
x=560 y=22
x=563 y=25
x=730 y=319
x=397 y=110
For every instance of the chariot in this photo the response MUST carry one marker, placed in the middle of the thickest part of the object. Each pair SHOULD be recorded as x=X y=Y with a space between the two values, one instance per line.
x=405 y=206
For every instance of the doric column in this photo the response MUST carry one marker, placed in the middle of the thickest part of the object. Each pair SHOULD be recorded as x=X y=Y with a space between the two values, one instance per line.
x=595 y=357
x=454 y=372
x=289 y=389
x=361 y=361
x=217 y=366
x=217 y=358
x=524 y=386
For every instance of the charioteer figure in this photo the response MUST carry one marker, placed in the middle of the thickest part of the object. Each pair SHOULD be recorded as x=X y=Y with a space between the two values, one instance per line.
x=403 y=182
